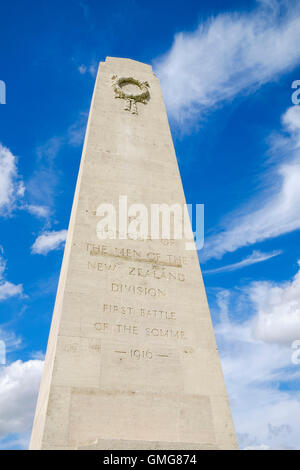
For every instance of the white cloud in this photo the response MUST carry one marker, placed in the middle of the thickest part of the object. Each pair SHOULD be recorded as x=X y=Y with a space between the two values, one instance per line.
x=255 y=257
x=291 y=120
x=77 y=130
x=82 y=69
x=228 y=54
x=38 y=211
x=278 y=310
x=11 y=341
x=7 y=289
x=50 y=149
x=260 y=380
x=91 y=69
x=19 y=384
x=277 y=210
x=2 y=262
x=49 y=241
x=11 y=186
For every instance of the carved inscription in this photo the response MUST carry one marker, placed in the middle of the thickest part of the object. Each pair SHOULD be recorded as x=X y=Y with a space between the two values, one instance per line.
x=156 y=274
x=133 y=254
x=125 y=329
x=139 y=312
x=148 y=325
x=137 y=290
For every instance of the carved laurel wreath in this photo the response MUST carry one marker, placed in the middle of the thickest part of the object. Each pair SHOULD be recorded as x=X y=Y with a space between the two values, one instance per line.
x=142 y=97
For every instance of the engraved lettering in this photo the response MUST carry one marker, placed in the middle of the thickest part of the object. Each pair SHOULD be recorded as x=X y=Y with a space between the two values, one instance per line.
x=156 y=274
x=165 y=333
x=139 y=312
x=137 y=290
x=127 y=329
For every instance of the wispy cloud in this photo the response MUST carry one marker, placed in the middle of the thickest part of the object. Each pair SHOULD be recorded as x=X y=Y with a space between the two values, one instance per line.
x=76 y=131
x=7 y=289
x=276 y=210
x=11 y=340
x=255 y=257
x=50 y=149
x=91 y=69
x=38 y=355
x=229 y=54
x=42 y=212
x=82 y=69
x=11 y=185
x=49 y=241
x=42 y=185
x=86 y=10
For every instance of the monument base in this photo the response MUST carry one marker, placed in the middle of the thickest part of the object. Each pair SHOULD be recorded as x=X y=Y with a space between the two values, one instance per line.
x=107 y=444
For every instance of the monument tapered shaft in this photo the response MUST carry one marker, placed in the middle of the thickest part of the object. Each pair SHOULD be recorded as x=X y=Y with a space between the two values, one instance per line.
x=131 y=361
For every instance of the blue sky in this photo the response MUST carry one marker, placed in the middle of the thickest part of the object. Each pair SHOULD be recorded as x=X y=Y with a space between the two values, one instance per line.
x=226 y=70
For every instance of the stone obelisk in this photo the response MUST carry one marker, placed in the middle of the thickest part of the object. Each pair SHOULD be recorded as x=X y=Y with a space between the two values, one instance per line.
x=132 y=361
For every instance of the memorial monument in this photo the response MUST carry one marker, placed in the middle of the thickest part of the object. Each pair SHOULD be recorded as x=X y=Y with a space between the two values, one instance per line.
x=131 y=361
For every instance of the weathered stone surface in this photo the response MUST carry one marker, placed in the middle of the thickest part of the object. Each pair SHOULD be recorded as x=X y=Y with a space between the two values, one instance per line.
x=132 y=360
